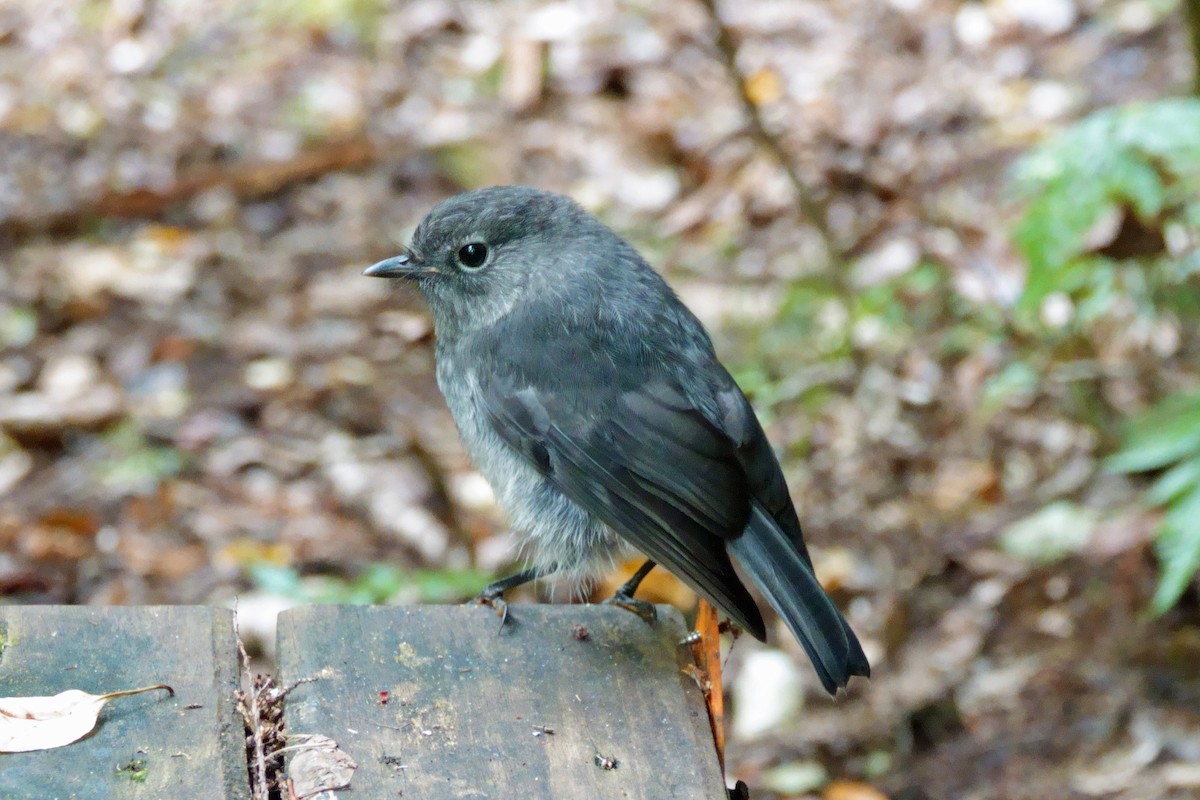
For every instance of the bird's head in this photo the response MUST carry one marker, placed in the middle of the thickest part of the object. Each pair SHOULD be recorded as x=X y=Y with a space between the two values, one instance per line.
x=477 y=255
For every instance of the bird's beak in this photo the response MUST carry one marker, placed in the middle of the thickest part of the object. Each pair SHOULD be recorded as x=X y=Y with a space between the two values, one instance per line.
x=405 y=265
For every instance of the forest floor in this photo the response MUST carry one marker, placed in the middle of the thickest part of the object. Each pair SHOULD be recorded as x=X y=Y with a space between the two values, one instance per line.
x=202 y=400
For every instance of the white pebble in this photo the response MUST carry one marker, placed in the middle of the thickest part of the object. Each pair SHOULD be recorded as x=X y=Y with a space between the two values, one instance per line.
x=266 y=374
x=768 y=691
x=1048 y=16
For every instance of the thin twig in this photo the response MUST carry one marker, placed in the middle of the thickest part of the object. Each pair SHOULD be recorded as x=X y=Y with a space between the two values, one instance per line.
x=251 y=713
x=813 y=211
x=1191 y=12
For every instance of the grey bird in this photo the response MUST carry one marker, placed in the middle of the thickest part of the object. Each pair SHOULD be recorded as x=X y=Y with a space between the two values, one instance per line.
x=591 y=399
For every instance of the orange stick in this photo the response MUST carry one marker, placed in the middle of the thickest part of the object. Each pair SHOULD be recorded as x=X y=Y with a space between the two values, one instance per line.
x=709 y=655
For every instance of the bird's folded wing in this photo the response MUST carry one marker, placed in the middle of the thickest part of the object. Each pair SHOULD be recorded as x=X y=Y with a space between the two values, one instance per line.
x=650 y=466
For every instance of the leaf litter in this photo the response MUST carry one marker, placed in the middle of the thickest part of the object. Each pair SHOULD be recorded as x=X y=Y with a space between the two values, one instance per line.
x=194 y=383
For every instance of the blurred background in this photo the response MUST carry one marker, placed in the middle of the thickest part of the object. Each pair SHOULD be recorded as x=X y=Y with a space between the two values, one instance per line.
x=949 y=249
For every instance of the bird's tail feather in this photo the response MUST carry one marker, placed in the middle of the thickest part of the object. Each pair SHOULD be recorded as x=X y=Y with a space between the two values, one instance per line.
x=775 y=564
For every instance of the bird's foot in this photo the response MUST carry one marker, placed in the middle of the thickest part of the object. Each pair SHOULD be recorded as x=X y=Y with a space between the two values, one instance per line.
x=494 y=600
x=641 y=608
x=493 y=594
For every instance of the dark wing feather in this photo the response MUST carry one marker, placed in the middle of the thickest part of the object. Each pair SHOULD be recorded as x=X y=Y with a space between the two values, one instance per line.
x=651 y=467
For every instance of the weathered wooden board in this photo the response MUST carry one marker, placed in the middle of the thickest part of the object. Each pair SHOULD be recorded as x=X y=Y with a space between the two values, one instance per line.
x=185 y=752
x=470 y=708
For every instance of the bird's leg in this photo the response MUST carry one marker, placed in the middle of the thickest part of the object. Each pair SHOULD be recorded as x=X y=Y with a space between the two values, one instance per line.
x=625 y=599
x=493 y=594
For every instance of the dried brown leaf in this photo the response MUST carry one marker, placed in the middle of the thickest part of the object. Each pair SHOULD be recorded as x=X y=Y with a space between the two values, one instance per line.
x=43 y=723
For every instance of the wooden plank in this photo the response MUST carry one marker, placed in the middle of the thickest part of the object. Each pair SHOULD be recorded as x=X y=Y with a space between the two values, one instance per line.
x=185 y=752
x=470 y=707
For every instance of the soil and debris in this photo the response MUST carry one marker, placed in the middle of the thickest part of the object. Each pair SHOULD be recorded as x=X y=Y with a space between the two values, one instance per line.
x=201 y=399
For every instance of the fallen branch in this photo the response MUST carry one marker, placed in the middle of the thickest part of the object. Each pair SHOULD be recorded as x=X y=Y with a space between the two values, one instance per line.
x=245 y=181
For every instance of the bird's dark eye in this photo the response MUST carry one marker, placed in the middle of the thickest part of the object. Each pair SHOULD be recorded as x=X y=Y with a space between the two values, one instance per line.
x=472 y=255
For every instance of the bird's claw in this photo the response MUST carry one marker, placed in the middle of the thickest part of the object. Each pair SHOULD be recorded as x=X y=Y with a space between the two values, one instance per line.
x=497 y=603
x=641 y=608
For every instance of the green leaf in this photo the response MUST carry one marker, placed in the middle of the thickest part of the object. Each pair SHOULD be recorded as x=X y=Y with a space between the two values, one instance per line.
x=1142 y=156
x=360 y=17
x=1050 y=534
x=1165 y=129
x=1018 y=379
x=1139 y=183
x=795 y=778
x=449 y=585
x=274 y=579
x=18 y=327
x=133 y=465
x=1174 y=482
x=1178 y=550
x=1168 y=432
x=378 y=583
